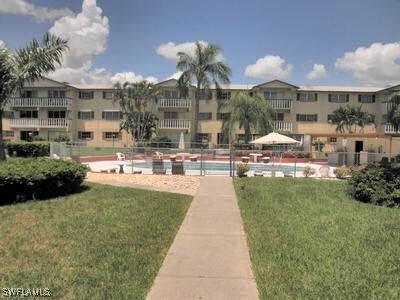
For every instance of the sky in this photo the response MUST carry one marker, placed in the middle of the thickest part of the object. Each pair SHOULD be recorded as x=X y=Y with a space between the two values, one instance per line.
x=303 y=42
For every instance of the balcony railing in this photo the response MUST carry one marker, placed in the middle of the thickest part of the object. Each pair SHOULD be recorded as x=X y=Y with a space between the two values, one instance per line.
x=39 y=122
x=174 y=124
x=174 y=103
x=389 y=128
x=40 y=102
x=282 y=126
x=280 y=103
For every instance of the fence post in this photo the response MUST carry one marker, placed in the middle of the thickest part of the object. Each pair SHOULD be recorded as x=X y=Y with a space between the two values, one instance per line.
x=201 y=162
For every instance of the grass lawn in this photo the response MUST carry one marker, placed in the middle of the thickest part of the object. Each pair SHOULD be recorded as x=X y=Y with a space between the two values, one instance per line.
x=308 y=240
x=107 y=242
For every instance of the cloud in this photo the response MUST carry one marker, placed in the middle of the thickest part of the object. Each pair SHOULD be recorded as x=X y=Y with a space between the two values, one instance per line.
x=41 y=14
x=131 y=77
x=169 y=50
x=377 y=64
x=318 y=72
x=269 y=67
x=2 y=44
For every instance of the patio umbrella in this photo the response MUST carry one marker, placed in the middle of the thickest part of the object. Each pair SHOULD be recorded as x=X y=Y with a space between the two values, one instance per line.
x=181 y=142
x=274 y=138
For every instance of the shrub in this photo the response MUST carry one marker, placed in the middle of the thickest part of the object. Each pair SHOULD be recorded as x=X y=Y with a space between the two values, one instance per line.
x=61 y=138
x=161 y=142
x=242 y=169
x=318 y=144
x=39 y=178
x=376 y=184
x=308 y=171
x=28 y=149
x=38 y=138
x=343 y=172
x=296 y=154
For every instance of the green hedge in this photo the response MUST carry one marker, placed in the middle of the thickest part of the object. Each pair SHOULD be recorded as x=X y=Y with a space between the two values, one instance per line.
x=28 y=149
x=38 y=178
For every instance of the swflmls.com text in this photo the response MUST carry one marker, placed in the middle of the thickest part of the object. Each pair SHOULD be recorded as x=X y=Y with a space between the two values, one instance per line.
x=24 y=292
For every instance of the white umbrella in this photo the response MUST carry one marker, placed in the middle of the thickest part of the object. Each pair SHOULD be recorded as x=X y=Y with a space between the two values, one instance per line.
x=274 y=138
x=181 y=142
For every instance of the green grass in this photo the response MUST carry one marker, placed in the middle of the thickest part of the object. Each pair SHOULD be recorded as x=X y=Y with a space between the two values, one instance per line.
x=307 y=240
x=106 y=242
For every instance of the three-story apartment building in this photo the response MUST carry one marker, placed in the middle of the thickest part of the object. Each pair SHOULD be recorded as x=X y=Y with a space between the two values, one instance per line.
x=89 y=113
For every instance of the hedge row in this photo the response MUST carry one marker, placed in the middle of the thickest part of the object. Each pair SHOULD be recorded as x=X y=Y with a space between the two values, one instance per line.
x=38 y=178
x=28 y=149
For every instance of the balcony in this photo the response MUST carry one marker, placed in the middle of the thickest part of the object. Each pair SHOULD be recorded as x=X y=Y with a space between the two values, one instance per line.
x=40 y=102
x=39 y=123
x=389 y=128
x=282 y=126
x=174 y=124
x=280 y=103
x=174 y=103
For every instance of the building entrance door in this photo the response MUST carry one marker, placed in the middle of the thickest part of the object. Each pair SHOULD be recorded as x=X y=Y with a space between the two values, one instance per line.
x=28 y=135
x=358 y=147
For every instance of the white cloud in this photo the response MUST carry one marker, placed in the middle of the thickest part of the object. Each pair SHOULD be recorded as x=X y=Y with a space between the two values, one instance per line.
x=2 y=44
x=269 y=67
x=176 y=75
x=131 y=77
x=169 y=50
x=377 y=64
x=41 y=14
x=318 y=72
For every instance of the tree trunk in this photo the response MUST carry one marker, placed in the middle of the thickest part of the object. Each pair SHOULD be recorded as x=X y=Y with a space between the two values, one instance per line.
x=196 y=114
x=247 y=133
x=2 y=149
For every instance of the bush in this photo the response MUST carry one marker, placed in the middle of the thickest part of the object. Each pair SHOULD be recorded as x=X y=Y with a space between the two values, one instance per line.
x=28 y=149
x=296 y=154
x=161 y=142
x=39 y=178
x=343 y=172
x=242 y=169
x=318 y=144
x=308 y=171
x=376 y=184
x=62 y=138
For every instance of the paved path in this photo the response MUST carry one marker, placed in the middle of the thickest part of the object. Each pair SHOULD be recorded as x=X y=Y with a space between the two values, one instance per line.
x=209 y=257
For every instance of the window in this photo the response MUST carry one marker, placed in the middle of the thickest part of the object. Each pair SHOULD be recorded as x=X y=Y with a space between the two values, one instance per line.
x=364 y=98
x=8 y=133
x=278 y=117
x=173 y=94
x=274 y=95
x=29 y=94
x=8 y=114
x=338 y=98
x=56 y=114
x=111 y=115
x=223 y=116
x=223 y=95
x=307 y=97
x=56 y=94
x=306 y=118
x=170 y=115
x=28 y=114
x=221 y=138
x=108 y=95
x=86 y=95
x=85 y=135
x=204 y=95
x=332 y=139
x=85 y=115
x=203 y=137
x=111 y=135
x=205 y=116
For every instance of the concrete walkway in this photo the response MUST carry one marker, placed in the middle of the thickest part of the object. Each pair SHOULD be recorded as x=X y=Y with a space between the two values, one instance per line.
x=209 y=257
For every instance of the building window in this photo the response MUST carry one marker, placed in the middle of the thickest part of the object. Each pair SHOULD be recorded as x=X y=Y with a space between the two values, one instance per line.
x=332 y=139
x=364 y=98
x=108 y=95
x=8 y=114
x=111 y=115
x=56 y=94
x=86 y=95
x=85 y=135
x=85 y=115
x=274 y=95
x=205 y=116
x=8 y=133
x=220 y=138
x=28 y=114
x=203 y=137
x=223 y=95
x=173 y=94
x=307 y=97
x=204 y=95
x=339 y=98
x=223 y=116
x=277 y=117
x=56 y=114
x=29 y=94
x=171 y=115
x=306 y=118
x=111 y=135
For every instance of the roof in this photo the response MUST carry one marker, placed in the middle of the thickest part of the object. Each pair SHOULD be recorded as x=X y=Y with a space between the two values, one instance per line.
x=357 y=89
x=93 y=86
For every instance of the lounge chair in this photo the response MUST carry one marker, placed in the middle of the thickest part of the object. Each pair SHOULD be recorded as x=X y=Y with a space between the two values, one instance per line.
x=279 y=174
x=158 y=154
x=245 y=159
x=267 y=173
x=177 y=168
x=120 y=156
x=158 y=166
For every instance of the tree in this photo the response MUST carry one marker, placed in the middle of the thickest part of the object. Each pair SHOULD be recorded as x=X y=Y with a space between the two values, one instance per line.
x=26 y=65
x=203 y=69
x=345 y=117
x=251 y=113
x=393 y=114
x=136 y=101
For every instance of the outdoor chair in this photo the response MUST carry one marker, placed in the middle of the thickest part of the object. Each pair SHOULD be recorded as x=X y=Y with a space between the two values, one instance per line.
x=324 y=171
x=120 y=156
x=279 y=174
x=267 y=173
x=158 y=166
x=177 y=168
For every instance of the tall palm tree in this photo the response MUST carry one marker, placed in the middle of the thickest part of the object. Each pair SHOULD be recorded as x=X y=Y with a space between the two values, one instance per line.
x=250 y=113
x=203 y=69
x=26 y=65
x=345 y=117
x=393 y=114
x=136 y=101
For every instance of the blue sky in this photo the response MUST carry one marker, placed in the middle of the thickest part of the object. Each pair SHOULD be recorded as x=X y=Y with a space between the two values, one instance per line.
x=288 y=36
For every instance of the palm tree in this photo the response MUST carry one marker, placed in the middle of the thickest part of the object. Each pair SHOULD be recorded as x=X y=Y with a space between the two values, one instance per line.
x=203 y=69
x=251 y=113
x=26 y=65
x=393 y=114
x=345 y=117
x=136 y=101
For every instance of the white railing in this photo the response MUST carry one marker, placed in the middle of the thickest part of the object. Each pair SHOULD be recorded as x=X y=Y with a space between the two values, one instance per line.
x=173 y=124
x=40 y=102
x=389 y=128
x=280 y=103
x=39 y=122
x=174 y=103
x=282 y=126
